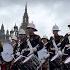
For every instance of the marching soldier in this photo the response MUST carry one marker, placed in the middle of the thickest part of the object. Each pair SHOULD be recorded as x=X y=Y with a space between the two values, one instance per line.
x=57 y=39
x=53 y=47
x=22 y=44
x=34 y=39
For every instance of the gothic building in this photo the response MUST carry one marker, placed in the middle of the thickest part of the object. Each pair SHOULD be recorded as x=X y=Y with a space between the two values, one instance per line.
x=23 y=24
x=5 y=36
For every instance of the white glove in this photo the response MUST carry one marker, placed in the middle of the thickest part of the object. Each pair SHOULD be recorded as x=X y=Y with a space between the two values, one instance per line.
x=59 y=52
x=34 y=49
x=18 y=53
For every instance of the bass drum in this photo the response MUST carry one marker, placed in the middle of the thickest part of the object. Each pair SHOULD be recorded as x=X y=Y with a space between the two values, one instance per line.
x=29 y=63
x=7 y=53
x=32 y=62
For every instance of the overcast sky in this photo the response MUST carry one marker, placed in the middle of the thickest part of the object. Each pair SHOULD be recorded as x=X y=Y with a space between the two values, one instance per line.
x=44 y=14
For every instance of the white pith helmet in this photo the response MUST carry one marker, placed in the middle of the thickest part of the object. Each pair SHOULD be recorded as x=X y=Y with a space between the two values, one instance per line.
x=55 y=28
x=31 y=25
x=14 y=37
x=21 y=31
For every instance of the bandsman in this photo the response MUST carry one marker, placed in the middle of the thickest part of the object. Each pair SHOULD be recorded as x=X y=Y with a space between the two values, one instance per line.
x=34 y=38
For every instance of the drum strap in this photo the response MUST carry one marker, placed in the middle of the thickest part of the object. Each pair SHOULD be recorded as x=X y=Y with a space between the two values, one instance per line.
x=54 y=44
x=29 y=44
x=18 y=47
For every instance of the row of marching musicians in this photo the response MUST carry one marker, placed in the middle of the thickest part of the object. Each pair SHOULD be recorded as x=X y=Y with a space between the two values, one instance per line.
x=30 y=52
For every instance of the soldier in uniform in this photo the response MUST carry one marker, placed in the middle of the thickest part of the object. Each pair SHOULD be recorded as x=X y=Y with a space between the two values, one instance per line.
x=22 y=44
x=34 y=38
x=58 y=39
x=30 y=38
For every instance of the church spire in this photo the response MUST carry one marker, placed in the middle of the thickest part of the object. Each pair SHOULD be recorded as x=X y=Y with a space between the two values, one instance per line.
x=2 y=27
x=25 y=13
x=26 y=8
x=25 y=19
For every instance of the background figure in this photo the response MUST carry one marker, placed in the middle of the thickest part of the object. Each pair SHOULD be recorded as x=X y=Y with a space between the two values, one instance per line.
x=45 y=40
x=45 y=65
